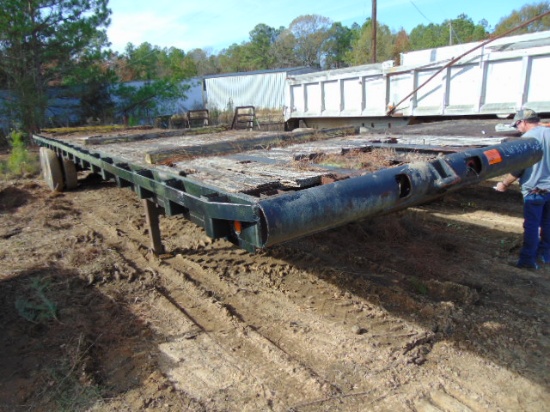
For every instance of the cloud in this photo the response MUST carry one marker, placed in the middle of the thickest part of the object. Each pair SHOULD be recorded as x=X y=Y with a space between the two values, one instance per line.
x=143 y=27
x=187 y=26
x=215 y=24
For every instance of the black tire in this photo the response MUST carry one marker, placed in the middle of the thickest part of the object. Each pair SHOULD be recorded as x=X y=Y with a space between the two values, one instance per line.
x=51 y=169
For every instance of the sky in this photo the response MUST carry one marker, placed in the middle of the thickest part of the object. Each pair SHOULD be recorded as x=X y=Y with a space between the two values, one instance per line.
x=214 y=25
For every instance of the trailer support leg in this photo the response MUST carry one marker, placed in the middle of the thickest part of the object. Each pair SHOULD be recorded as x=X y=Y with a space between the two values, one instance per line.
x=152 y=213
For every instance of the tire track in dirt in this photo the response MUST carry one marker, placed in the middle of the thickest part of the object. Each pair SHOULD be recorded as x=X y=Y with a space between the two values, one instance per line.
x=295 y=327
x=285 y=360
x=208 y=312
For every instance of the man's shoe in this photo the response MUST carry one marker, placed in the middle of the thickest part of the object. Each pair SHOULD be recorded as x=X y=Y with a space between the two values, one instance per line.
x=527 y=265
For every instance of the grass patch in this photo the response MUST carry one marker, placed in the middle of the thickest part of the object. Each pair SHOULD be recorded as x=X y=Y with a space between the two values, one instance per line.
x=366 y=159
x=419 y=286
x=66 y=379
x=72 y=389
x=35 y=306
x=69 y=385
x=100 y=129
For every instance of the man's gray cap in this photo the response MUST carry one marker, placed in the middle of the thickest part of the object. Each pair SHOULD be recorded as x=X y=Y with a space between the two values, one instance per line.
x=525 y=114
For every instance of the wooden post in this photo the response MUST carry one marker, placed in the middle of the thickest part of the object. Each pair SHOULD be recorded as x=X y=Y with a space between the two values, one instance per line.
x=374 y=29
x=152 y=213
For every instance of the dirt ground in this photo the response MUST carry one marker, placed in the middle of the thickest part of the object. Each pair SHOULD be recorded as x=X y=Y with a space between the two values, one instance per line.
x=415 y=311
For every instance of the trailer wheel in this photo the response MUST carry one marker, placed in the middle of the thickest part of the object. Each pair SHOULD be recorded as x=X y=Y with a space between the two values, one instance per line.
x=51 y=169
x=69 y=171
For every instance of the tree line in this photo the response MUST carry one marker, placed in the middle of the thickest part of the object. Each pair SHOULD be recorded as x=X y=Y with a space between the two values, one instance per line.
x=45 y=43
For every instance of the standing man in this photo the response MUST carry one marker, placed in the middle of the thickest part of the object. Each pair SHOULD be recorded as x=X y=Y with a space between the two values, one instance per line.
x=535 y=188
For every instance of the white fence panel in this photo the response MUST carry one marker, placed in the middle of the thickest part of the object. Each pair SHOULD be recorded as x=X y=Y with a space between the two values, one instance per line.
x=331 y=98
x=502 y=85
x=313 y=100
x=429 y=99
x=538 y=84
x=374 y=96
x=352 y=93
x=464 y=89
x=400 y=85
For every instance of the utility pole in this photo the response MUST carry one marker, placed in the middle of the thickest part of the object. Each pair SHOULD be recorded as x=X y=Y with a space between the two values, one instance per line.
x=374 y=31
x=450 y=33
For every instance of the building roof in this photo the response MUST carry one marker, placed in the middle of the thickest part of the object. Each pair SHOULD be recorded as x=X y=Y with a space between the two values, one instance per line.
x=290 y=70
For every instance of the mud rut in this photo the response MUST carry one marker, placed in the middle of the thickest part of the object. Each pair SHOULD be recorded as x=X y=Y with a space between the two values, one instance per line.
x=415 y=311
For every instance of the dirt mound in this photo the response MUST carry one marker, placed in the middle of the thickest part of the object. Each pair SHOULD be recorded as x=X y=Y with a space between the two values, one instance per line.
x=13 y=197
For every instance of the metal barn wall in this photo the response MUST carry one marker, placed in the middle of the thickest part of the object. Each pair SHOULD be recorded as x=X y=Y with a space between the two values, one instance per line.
x=259 y=90
x=191 y=101
x=264 y=89
x=64 y=109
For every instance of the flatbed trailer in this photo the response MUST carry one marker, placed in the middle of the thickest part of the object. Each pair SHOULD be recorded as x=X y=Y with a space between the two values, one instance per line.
x=259 y=189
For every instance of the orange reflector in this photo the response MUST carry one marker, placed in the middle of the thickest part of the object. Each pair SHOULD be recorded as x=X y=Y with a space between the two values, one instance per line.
x=238 y=227
x=493 y=156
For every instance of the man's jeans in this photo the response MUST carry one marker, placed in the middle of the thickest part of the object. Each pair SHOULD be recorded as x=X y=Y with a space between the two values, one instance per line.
x=536 y=225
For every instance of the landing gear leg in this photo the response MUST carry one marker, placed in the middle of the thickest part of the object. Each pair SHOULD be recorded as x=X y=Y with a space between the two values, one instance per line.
x=152 y=213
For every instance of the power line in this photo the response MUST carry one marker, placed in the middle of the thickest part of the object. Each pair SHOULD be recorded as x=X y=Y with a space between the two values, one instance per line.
x=423 y=15
x=452 y=33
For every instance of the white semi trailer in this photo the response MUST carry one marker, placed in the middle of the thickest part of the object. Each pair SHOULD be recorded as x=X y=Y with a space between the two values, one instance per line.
x=496 y=78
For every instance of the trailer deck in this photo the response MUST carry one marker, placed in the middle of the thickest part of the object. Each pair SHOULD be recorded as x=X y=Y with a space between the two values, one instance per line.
x=258 y=189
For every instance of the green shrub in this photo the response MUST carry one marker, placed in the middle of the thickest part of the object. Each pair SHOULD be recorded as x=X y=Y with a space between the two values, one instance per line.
x=20 y=162
x=4 y=167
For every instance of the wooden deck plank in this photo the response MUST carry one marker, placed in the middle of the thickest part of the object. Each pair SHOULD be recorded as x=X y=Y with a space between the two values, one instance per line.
x=261 y=141
x=222 y=159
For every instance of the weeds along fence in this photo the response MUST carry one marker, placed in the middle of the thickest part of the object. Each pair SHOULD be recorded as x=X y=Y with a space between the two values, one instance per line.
x=266 y=119
x=219 y=94
x=66 y=107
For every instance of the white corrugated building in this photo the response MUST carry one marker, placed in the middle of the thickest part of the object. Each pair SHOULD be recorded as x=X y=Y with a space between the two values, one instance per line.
x=263 y=89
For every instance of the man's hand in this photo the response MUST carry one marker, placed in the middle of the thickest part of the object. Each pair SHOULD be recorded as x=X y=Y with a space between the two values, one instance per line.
x=501 y=187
